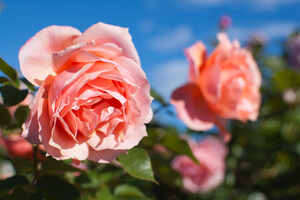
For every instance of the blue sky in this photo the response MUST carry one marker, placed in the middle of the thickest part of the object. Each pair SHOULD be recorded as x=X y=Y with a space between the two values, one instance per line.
x=160 y=29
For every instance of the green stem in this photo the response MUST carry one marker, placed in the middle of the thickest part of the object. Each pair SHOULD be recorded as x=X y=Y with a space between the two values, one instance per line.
x=36 y=170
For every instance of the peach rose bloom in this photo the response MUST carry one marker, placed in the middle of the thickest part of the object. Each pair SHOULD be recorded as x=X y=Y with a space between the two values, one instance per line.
x=203 y=177
x=224 y=85
x=93 y=99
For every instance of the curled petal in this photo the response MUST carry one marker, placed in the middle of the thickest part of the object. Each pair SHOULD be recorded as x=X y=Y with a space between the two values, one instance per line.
x=192 y=109
x=35 y=55
x=32 y=126
x=102 y=33
x=196 y=55
x=61 y=57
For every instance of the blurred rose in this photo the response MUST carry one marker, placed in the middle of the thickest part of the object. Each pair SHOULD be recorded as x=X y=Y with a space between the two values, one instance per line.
x=203 y=177
x=294 y=51
x=93 y=98
x=224 y=85
x=17 y=146
x=6 y=169
x=289 y=95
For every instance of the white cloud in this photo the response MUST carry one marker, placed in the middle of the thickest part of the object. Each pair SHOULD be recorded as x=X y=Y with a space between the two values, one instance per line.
x=168 y=76
x=146 y=26
x=172 y=40
x=268 y=31
x=280 y=29
x=255 y=4
x=244 y=33
x=269 y=4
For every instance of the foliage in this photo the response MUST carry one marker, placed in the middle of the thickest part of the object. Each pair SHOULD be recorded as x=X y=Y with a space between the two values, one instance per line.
x=263 y=163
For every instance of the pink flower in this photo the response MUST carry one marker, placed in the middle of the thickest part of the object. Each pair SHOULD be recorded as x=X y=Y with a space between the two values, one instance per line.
x=225 y=22
x=17 y=146
x=207 y=175
x=224 y=85
x=93 y=101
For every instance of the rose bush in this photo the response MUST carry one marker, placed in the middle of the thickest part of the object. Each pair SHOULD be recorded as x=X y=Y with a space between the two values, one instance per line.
x=203 y=177
x=224 y=85
x=93 y=99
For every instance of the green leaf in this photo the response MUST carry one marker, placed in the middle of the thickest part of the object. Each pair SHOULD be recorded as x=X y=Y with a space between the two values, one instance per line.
x=28 y=84
x=137 y=163
x=4 y=80
x=21 y=114
x=177 y=145
x=8 y=70
x=4 y=116
x=129 y=192
x=157 y=97
x=12 y=95
x=107 y=176
x=54 y=188
x=286 y=79
x=18 y=193
x=12 y=182
x=54 y=165
x=104 y=193
x=165 y=173
x=22 y=165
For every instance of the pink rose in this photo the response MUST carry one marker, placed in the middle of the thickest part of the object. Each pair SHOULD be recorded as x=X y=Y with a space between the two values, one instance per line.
x=17 y=146
x=93 y=99
x=224 y=85
x=207 y=175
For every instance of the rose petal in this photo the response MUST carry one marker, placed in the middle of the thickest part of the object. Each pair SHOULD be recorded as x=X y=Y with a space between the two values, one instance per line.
x=102 y=33
x=107 y=50
x=232 y=93
x=68 y=147
x=104 y=156
x=254 y=73
x=61 y=82
x=196 y=55
x=248 y=107
x=31 y=126
x=35 y=55
x=144 y=87
x=225 y=44
x=60 y=58
x=44 y=132
x=132 y=137
x=210 y=82
x=192 y=108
